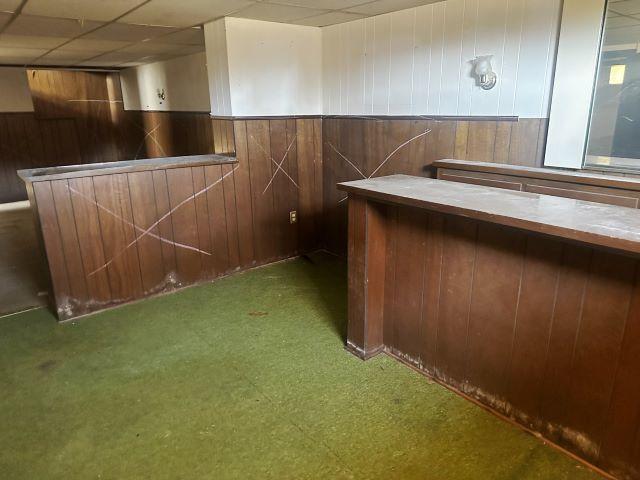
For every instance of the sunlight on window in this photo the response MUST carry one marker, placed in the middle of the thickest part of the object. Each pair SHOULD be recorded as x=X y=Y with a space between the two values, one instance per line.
x=616 y=75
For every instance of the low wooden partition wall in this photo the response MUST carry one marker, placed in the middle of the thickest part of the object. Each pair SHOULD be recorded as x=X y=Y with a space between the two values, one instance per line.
x=527 y=304
x=122 y=231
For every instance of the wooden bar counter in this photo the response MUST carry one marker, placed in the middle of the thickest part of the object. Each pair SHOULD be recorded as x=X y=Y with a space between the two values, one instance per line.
x=117 y=232
x=526 y=303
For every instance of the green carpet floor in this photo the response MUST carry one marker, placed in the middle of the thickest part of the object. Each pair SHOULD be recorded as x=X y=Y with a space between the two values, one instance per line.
x=245 y=378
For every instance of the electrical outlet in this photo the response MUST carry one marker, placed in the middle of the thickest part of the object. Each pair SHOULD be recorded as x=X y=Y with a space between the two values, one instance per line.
x=293 y=217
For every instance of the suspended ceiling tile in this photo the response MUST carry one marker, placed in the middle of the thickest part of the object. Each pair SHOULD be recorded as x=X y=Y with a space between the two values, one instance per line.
x=4 y=18
x=27 y=41
x=96 y=63
x=101 y=10
x=129 y=33
x=330 y=18
x=385 y=6
x=184 y=14
x=70 y=55
x=189 y=36
x=271 y=12
x=628 y=7
x=87 y=44
x=130 y=64
x=113 y=58
x=10 y=54
x=9 y=5
x=323 y=4
x=152 y=48
x=617 y=22
x=190 y=50
x=50 y=27
x=53 y=62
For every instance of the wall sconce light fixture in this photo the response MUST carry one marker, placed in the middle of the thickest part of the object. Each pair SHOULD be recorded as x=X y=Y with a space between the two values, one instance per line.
x=486 y=78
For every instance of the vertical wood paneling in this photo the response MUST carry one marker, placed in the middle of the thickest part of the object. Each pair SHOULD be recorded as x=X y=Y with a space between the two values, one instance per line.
x=401 y=61
x=605 y=310
x=492 y=311
x=90 y=235
x=116 y=226
x=535 y=309
x=61 y=201
x=352 y=144
x=217 y=212
x=231 y=216
x=459 y=259
x=207 y=255
x=53 y=245
x=418 y=61
x=537 y=329
x=185 y=226
x=285 y=192
x=261 y=171
x=145 y=214
x=243 y=188
x=165 y=225
x=407 y=311
x=79 y=118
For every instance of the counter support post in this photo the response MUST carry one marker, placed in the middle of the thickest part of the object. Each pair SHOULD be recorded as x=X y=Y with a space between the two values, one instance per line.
x=366 y=251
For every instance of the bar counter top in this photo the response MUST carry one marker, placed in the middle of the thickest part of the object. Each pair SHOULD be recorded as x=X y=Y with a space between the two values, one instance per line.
x=587 y=222
x=543 y=173
x=109 y=168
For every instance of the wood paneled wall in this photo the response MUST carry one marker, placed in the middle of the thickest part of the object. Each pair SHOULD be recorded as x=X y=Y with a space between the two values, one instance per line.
x=356 y=148
x=418 y=61
x=79 y=118
x=538 y=329
x=93 y=226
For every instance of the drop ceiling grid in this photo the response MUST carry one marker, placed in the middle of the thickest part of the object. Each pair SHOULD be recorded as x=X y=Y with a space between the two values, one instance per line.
x=122 y=33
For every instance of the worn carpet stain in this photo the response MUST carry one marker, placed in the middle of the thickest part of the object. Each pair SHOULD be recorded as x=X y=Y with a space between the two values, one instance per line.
x=188 y=386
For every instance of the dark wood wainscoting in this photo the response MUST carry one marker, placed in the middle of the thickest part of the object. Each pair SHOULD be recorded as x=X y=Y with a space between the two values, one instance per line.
x=536 y=328
x=79 y=118
x=356 y=148
x=93 y=225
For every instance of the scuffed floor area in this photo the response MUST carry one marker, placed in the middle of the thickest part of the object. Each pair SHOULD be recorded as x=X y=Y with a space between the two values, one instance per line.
x=243 y=378
x=22 y=266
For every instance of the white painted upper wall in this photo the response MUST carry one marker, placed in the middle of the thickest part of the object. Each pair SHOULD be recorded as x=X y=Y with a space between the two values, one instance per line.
x=215 y=37
x=273 y=68
x=417 y=61
x=183 y=79
x=15 y=95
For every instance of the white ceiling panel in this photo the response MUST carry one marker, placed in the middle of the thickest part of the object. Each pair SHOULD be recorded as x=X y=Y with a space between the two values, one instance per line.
x=626 y=7
x=9 y=5
x=104 y=10
x=70 y=56
x=112 y=58
x=323 y=4
x=189 y=36
x=19 y=55
x=276 y=13
x=76 y=30
x=49 y=27
x=4 y=18
x=152 y=48
x=129 y=33
x=329 y=18
x=27 y=41
x=385 y=6
x=88 y=45
x=184 y=13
